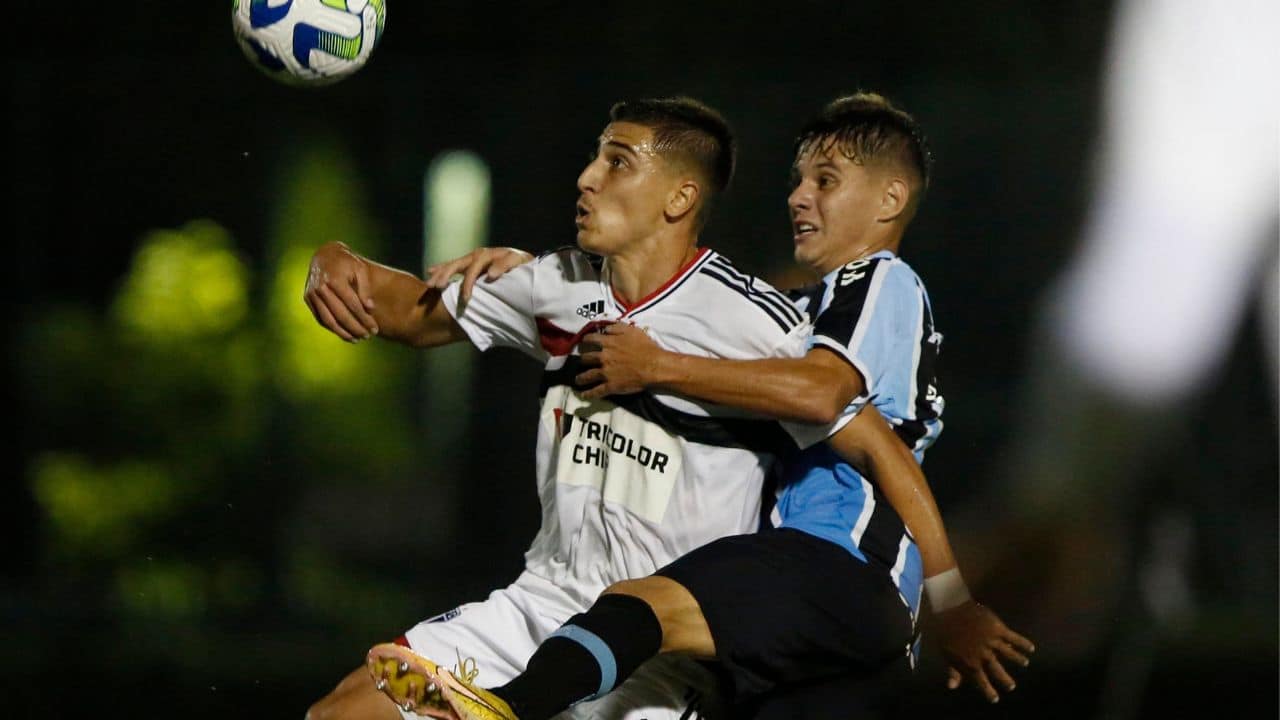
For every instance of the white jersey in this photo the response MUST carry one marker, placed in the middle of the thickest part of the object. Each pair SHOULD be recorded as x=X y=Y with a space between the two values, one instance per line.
x=629 y=484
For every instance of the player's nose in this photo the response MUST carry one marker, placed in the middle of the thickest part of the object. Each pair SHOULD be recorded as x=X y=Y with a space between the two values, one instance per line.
x=799 y=199
x=589 y=178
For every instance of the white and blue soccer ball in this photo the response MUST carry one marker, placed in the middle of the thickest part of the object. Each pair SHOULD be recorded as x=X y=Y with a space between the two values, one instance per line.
x=308 y=42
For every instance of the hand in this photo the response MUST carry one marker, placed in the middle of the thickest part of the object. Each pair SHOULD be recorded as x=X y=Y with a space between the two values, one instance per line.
x=337 y=292
x=623 y=357
x=493 y=262
x=976 y=644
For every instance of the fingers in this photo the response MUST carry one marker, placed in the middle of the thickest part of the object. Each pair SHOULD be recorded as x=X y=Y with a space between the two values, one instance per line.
x=997 y=671
x=483 y=262
x=339 y=315
x=1007 y=650
x=953 y=678
x=596 y=341
x=492 y=263
x=439 y=275
x=979 y=678
x=1019 y=641
x=508 y=262
x=325 y=318
x=359 y=301
x=589 y=377
x=595 y=384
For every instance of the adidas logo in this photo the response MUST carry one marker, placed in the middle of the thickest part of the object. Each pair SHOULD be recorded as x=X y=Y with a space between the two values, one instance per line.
x=591 y=309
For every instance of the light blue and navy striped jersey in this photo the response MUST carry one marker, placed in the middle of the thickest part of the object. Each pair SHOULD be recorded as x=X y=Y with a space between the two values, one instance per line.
x=875 y=314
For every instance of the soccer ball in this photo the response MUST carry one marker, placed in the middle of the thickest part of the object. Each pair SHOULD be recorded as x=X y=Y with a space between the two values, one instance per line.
x=308 y=42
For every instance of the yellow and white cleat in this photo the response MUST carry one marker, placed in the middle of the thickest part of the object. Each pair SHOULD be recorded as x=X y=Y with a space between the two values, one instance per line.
x=410 y=680
x=420 y=686
x=471 y=702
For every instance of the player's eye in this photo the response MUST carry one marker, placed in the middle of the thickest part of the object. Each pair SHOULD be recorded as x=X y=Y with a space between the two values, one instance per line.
x=617 y=161
x=826 y=181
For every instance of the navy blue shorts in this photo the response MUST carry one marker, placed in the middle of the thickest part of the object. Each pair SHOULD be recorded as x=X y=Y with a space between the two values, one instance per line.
x=789 y=610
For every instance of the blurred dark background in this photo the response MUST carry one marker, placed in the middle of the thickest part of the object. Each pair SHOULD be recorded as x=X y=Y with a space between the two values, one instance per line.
x=215 y=507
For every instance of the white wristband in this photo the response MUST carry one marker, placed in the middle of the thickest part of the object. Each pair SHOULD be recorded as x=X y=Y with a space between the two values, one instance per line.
x=946 y=590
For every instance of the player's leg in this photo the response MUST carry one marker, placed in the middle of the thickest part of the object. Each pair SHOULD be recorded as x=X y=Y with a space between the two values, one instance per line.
x=774 y=607
x=587 y=658
x=786 y=607
x=355 y=698
x=877 y=695
x=594 y=652
x=684 y=629
x=668 y=687
x=485 y=642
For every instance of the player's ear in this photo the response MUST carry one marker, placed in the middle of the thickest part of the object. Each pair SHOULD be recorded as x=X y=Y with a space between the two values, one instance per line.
x=894 y=197
x=683 y=199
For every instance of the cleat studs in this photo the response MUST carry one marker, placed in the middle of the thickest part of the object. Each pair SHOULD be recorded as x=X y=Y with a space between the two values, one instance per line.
x=404 y=667
x=381 y=684
x=431 y=688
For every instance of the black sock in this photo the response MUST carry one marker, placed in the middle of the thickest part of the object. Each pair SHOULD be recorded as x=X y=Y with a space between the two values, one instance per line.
x=587 y=657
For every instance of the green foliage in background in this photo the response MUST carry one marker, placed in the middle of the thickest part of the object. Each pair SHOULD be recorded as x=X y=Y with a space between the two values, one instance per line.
x=189 y=421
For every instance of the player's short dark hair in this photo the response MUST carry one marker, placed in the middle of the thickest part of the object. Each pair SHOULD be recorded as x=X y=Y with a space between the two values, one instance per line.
x=868 y=129
x=688 y=131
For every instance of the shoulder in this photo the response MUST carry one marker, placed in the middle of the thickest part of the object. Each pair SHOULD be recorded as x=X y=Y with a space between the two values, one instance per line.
x=868 y=280
x=749 y=294
x=567 y=263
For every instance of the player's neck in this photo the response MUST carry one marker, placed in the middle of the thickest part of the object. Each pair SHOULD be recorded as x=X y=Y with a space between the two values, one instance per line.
x=636 y=273
x=864 y=249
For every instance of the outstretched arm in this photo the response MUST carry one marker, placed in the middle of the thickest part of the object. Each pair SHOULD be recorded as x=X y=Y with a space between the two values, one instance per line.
x=974 y=640
x=813 y=389
x=356 y=298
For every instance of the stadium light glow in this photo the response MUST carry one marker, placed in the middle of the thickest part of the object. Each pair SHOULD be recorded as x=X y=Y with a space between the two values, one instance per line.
x=457 y=206
x=455 y=222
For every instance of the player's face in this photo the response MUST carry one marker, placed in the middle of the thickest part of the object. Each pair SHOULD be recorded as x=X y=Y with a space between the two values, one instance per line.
x=834 y=205
x=623 y=190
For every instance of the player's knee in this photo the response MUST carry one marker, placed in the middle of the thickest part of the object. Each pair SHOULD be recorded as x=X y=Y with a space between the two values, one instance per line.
x=337 y=706
x=342 y=703
x=683 y=627
x=635 y=588
x=321 y=710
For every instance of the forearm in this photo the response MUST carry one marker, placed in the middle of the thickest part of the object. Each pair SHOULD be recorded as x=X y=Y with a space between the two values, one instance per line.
x=407 y=310
x=868 y=443
x=785 y=388
x=905 y=487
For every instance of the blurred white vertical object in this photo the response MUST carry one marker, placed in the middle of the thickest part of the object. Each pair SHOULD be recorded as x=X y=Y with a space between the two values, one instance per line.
x=456 y=198
x=1181 y=227
x=455 y=222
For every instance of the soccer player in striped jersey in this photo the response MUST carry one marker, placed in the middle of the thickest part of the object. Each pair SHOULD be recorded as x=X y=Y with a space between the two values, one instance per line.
x=628 y=484
x=833 y=588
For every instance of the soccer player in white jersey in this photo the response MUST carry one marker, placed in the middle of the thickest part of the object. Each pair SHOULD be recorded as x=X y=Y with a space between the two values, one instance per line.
x=833 y=590
x=626 y=485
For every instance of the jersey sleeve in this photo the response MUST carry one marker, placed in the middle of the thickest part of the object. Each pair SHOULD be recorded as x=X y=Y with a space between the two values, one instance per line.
x=871 y=319
x=869 y=316
x=500 y=313
x=806 y=434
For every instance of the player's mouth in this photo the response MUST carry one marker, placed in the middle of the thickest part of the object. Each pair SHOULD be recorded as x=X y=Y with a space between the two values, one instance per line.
x=802 y=231
x=582 y=211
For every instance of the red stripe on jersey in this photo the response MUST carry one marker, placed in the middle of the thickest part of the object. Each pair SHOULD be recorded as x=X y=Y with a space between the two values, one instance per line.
x=628 y=307
x=560 y=342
